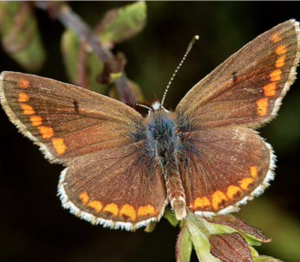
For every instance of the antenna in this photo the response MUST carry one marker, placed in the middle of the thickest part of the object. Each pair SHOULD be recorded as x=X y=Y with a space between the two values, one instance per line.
x=141 y=105
x=189 y=48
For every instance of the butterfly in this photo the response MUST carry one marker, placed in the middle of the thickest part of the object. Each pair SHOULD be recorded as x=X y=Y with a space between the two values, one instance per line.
x=123 y=169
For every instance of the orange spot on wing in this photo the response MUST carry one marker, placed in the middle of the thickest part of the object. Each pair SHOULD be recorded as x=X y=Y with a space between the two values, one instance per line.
x=232 y=191
x=36 y=120
x=97 y=205
x=46 y=132
x=201 y=202
x=59 y=145
x=280 y=50
x=253 y=171
x=244 y=183
x=146 y=211
x=217 y=199
x=23 y=83
x=111 y=208
x=27 y=109
x=280 y=62
x=275 y=38
x=129 y=211
x=84 y=197
x=262 y=106
x=23 y=98
x=276 y=75
x=270 y=89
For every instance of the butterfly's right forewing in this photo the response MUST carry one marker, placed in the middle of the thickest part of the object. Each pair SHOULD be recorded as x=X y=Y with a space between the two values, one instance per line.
x=247 y=89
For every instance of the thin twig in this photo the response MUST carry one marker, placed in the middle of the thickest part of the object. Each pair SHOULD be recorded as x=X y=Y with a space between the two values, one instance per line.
x=72 y=21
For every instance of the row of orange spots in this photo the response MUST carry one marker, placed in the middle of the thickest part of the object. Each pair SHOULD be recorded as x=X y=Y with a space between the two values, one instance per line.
x=218 y=197
x=127 y=210
x=45 y=131
x=275 y=76
x=37 y=121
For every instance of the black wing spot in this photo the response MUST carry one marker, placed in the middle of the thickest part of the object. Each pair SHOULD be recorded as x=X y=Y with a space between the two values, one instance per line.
x=234 y=77
x=76 y=106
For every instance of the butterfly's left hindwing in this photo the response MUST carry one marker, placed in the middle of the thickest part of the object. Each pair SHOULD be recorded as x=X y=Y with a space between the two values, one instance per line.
x=117 y=188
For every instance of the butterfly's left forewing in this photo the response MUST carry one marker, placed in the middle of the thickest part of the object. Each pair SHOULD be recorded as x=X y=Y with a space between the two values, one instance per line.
x=64 y=120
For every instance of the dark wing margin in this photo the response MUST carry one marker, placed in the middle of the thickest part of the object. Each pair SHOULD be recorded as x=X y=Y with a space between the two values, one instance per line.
x=248 y=87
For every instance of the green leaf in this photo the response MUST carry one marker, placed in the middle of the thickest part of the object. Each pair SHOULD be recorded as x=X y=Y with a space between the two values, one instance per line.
x=122 y=23
x=170 y=216
x=198 y=228
x=184 y=245
x=150 y=227
x=80 y=64
x=69 y=46
x=20 y=36
x=230 y=223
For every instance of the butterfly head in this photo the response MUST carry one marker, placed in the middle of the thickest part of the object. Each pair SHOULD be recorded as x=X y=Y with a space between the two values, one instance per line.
x=157 y=106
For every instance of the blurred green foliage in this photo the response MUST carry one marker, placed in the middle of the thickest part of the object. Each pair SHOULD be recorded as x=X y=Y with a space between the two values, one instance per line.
x=20 y=36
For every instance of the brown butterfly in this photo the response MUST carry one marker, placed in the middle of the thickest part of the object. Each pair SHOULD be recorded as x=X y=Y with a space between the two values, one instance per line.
x=205 y=158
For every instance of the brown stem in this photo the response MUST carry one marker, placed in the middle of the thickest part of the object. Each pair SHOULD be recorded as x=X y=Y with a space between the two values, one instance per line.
x=86 y=36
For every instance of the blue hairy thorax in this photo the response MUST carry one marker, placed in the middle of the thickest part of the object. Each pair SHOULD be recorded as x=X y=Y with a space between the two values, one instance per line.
x=162 y=138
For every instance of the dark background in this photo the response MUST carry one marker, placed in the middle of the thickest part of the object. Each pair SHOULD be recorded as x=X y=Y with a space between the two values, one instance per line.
x=34 y=226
